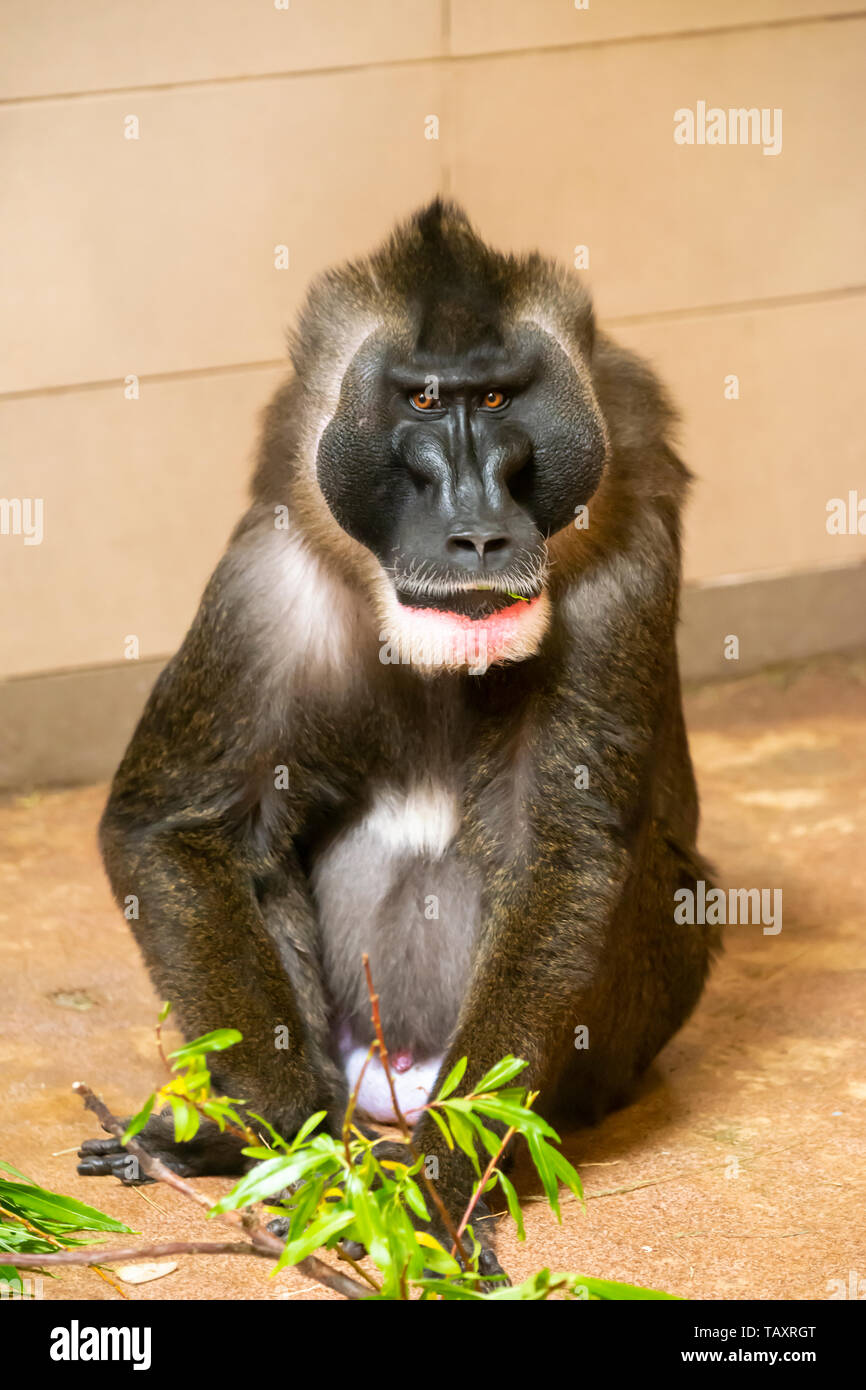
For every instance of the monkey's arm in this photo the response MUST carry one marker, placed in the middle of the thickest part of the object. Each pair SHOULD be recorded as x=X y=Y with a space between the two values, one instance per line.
x=207 y=947
x=199 y=851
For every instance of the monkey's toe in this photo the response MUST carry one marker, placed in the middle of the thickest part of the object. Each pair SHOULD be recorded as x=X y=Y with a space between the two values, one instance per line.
x=106 y=1158
x=100 y=1146
x=353 y=1248
x=489 y=1266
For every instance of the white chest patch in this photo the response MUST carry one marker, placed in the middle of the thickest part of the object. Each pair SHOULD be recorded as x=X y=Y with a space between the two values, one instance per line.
x=422 y=820
x=392 y=883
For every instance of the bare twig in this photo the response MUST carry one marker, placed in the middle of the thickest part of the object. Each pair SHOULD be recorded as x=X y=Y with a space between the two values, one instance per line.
x=261 y=1239
x=344 y=1255
x=401 y=1119
x=485 y=1177
x=353 y=1101
x=159 y=1047
x=134 y=1252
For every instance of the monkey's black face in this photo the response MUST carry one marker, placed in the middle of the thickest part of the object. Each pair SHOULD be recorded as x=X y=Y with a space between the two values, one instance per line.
x=454 y=471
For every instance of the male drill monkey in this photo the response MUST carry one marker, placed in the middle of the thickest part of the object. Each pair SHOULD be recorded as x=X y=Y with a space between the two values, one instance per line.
x=423 y=713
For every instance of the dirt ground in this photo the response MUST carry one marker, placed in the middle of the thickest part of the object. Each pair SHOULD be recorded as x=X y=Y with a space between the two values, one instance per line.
x=738 y=1172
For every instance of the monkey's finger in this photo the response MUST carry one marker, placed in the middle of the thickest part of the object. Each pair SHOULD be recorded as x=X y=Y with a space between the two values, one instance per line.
x=100 y=1146
x=117 y=1165
x=488 y=1265
x=96 y=1167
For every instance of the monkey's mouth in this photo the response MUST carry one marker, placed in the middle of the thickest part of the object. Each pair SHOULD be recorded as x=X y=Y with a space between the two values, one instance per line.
x=464 y=623
x=436 y=637
x=475 y=604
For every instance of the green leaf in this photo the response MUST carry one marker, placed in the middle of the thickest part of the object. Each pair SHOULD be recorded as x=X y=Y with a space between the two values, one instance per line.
x=316 y=1235
x=186 y=1120
x=267 y=1178
x=566 y=1173
x=414 y=1199
x=37 y=1203
x=165 y=1011
x=517 y=1116
x=276 y=1139
x=513 y=1204
x=456 y=1292
x=541 y=1152
x=308 y=1126
x=434 y=1114
x=453 y=1079
x=463 y=1134
x=137 y=1123
x=437 y=1259
x=497 y=1076
x=608 y=1290
x=197 y=1080
x=9 y=1169
x=492 y=1142
x=217 y=1041
x=11 y=1277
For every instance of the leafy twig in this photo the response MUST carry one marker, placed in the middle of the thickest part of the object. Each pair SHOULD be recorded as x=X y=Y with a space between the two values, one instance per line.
x=401 y=1119
x=260 y=1238
x=37 y=1261
x=485 y=1178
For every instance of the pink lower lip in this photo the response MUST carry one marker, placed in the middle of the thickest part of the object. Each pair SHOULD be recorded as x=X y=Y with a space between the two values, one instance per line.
x=497 y=629
x=505 y=616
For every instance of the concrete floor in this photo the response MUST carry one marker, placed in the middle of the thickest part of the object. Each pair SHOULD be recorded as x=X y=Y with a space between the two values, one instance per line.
x=739 y=1170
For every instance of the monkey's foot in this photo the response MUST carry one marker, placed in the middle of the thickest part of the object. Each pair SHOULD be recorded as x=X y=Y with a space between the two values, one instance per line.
x=208 y=1154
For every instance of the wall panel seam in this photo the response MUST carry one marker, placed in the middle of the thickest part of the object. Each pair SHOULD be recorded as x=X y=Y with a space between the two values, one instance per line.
x=629 y=40
x=684 y=315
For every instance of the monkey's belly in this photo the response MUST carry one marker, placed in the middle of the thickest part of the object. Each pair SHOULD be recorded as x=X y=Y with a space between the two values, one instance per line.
x=391 y=884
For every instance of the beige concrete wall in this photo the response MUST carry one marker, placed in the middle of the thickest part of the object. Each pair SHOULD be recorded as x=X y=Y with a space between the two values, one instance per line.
x=305 y=127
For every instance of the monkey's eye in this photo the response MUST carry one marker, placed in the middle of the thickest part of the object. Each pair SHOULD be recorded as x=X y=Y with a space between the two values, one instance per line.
x=493 y=400
x=422 y=401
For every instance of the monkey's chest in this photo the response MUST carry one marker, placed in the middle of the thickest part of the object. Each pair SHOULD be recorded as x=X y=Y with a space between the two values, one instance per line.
x=391 y=883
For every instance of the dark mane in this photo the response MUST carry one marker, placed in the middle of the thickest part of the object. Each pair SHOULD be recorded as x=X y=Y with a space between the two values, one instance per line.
x=453 y=283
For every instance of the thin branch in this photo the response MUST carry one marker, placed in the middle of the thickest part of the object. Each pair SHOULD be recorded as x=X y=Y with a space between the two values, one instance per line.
x=262 y=1240
x=159 y=1047
x=401 y=1119
x=353 y=1101
x=344 y=1255
x=485 y=1177
x=133 y=1252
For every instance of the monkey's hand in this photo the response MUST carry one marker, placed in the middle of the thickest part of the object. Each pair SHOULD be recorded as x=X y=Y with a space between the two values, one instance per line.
x=209 y=1153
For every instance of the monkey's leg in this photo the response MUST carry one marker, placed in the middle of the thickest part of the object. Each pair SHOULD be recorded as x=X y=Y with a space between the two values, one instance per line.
x=545 y=964
x=211 y=952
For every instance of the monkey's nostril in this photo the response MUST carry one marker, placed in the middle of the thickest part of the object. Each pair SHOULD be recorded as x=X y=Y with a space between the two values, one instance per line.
x=480 y=543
